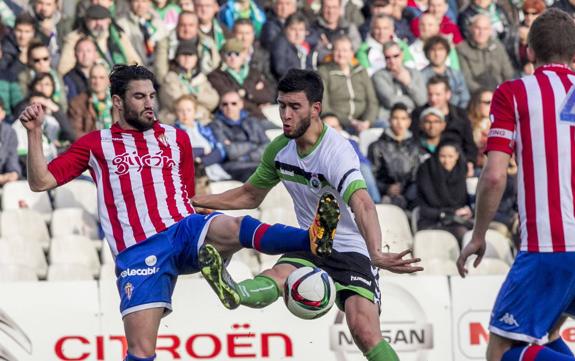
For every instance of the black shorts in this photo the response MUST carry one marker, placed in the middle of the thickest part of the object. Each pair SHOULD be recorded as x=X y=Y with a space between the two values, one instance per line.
x=352 y=273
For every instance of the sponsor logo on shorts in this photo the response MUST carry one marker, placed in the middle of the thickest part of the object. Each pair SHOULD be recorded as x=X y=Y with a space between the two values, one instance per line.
x=151 y=260
x=508 y=319
x=361 y=279
x=139 y=272
x=128 y=289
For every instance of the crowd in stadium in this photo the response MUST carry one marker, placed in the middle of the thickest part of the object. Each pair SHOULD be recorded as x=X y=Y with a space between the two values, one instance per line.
x=422 y=72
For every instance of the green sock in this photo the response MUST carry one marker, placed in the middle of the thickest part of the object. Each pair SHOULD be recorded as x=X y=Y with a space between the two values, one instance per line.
x=381 y=352
x=258 y=292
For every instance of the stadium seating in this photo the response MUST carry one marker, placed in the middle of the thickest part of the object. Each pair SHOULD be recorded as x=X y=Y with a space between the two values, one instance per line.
x=488 y=266
x=108 y=272
x=367 y=137
x=438 y=267
x=435 y=244
x=106 y=254
x=69 y=272
x=272 y=113
x=16 y=272
x=69 y=221
x=279 y=215
x=273 y=133
x=498 y=246
x=17 y=195
x=239 y=270
x=25 y=224
x=220 y=187
x=28 y=254
x=394 y=226
x=74 y=249
x=77 y=194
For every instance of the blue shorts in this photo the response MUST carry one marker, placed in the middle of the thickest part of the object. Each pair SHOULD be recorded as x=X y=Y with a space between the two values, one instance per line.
x=147 y=272
x=539 y=288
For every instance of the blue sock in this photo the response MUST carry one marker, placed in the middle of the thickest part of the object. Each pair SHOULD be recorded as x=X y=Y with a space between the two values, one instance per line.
x=534 y=353
x=272 y=239
x=560 y=346
x=134 y=358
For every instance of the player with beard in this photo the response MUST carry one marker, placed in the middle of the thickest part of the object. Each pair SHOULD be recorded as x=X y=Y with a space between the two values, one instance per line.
x=144 y=175
x=310 y=158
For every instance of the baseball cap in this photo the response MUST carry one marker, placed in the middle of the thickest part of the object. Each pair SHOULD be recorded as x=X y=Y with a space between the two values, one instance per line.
x=431 y=111
x=186 y=48
x=97 y=12
x=233 y=44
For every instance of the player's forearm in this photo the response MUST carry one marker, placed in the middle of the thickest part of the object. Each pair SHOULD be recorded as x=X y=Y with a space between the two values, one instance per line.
x=39 y=177
x=367 y=223
x=236 y=198
x=489 y=192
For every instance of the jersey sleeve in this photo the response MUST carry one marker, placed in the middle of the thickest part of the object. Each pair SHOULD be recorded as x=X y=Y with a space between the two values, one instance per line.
x=187 y=170
x=266 y=175
x=74 y=161
x=501 y=136
x=343 y=171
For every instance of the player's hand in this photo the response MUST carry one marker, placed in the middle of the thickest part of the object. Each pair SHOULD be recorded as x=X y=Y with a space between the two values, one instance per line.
x=32 y=117
x=394 y=262
x=475 y=247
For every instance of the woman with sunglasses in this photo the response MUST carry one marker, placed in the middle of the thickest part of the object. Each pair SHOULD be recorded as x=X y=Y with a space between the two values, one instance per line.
x=517 y=43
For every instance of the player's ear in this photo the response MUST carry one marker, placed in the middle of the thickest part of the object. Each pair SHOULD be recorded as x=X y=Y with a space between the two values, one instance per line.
x=117 y=102
x=316 y=108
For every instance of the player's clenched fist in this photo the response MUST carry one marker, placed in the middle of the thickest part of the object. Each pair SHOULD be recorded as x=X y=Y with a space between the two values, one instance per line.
x=32 y=116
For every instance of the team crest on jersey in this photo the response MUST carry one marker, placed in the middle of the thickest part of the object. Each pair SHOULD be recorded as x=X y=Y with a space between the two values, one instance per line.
x=314 y=182
x=128 y=289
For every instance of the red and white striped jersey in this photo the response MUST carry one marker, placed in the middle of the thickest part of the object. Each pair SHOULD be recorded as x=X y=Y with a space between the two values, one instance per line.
x=535 y=117
x=144 y=179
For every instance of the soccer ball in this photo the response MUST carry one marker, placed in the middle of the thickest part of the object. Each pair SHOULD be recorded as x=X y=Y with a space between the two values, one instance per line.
x=309 y=292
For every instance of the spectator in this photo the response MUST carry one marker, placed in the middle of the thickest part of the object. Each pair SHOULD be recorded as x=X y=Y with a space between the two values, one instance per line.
x=8 y=12
x=436 y=51
x=506 y=219
x=243 y=136
x=235 y=74
x=428 y=27
x=517 y=40
x=39 y=60
x=257 y=57
x=76 y=80
x=402 y=17
x=458 y=128
x=291 y=50
x=275 y=23
x=376 y=8
x=348 y=90
x=51 y=26
x=10 y=169
x=186 y=30
x=331 y=24
x=439 y=9
x=484 y=61
x=208 y=152
x=395 y=159
x=498 y=19
x=364 y=164
x=15 y=45
x=566 y=5
x=144 y=28
x=478 y=112
x=168 y=12
x=442 y=192
x=370 y=53
x=397 y=83
x=10 y=91
x=242 y=9
x=186 y=78
x=431 y=126
x=187 y=5
x=113 y=44
x=92 y=109
x=209 y=24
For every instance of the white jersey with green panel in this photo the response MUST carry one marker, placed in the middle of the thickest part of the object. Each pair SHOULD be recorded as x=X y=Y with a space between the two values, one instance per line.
x=332 y=165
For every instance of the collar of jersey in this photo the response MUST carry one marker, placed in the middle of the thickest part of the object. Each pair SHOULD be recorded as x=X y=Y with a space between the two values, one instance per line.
x=559 y=68
x=115 y=128
x=302 y=156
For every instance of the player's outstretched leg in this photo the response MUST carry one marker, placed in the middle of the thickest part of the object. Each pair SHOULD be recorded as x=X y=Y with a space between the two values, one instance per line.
x=322 y=231
x=214 y=271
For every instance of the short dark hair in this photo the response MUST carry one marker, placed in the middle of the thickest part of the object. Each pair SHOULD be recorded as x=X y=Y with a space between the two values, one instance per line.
x=552 y=37
x=296 y=18
x=122 y=74
x=25 y=18
x=38 y=78
x=243 y=21
x=439 y=79
x=399 y=107
x=433 y=41
x=36 y=45
x=307 y=81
